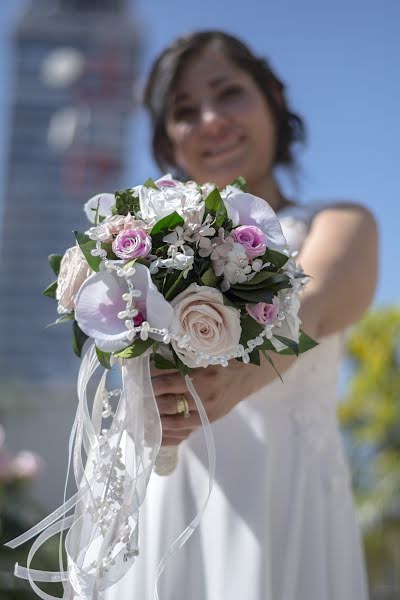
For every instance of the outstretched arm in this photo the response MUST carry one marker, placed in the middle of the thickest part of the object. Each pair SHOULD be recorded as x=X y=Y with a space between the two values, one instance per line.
x=340 y=255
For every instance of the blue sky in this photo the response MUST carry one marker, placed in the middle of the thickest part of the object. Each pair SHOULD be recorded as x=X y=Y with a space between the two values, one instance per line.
x=340 y=63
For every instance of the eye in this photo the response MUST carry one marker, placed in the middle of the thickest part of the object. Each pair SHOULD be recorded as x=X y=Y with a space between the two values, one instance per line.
x=184 y=113
x=230 y=92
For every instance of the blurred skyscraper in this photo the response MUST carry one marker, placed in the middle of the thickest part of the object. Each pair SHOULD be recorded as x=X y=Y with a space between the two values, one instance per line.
x=74 y=71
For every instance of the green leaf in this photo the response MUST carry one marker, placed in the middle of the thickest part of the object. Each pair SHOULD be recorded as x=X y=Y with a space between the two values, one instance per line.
x=50 y=291
x=239 y=183
x=305 y=343
x=209 y=278
x=136 y=349
x=169 y=294
x=264 y=279
x=78 y=338
x=250 y=329
x=215 y=206
x=253 y=296
x=160 y=362
x=255 y=357
x=271 y=362
x=278 y=259
x=54 y=261
x=182 y=368
x=104 y=358
x=62 y=319
x=87 y=245
x=150 y=183
x=292 y=345
x=166 y=224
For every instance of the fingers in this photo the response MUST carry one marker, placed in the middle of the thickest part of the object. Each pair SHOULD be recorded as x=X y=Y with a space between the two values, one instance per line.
x=174 y=438
x=168 y=384
x=178 y=423
x=159 y=372
x=167 y=404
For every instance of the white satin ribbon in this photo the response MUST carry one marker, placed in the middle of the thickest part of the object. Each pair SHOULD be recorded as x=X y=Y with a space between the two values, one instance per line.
x=102 y=540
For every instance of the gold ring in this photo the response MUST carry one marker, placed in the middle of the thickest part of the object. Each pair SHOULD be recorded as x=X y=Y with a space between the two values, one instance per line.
x=182 y=406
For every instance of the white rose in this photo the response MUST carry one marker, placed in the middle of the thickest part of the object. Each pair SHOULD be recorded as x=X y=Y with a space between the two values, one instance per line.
x=157 y=204
x=290 y=327
x=74 y=270
x=212 y=327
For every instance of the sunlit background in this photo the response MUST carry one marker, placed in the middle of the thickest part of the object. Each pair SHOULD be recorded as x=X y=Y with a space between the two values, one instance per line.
x=71 y=75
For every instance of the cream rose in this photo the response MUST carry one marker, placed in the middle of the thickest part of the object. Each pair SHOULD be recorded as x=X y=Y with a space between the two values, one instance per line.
x=74 y=270
x=212 y=327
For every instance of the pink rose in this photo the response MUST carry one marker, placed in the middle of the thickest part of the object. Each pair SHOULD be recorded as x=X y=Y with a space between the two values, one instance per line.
x=132 y=243
x=264 y=313
x=251 y=238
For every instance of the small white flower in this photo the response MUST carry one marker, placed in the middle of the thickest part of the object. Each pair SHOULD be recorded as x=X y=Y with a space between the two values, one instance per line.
x=100 y=233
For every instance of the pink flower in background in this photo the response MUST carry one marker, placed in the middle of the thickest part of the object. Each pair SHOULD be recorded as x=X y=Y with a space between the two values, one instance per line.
x=264 y=313
x=24 y=465
x=132 y=243
x=251 y=238
x=27 y=465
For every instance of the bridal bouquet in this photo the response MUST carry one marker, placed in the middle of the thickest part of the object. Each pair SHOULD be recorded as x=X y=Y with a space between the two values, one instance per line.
x=179 y=274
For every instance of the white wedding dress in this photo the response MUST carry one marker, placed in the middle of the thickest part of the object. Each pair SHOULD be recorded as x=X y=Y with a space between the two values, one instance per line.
x=280 y=524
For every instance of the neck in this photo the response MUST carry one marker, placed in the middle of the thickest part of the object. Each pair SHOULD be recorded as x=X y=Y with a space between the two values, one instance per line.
x=268 y=189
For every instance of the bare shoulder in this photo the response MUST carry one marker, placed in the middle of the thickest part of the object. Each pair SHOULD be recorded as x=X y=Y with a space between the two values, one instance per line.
x=345 y=210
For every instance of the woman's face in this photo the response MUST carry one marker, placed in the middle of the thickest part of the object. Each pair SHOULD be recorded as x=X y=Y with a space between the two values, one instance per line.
x=219 y=123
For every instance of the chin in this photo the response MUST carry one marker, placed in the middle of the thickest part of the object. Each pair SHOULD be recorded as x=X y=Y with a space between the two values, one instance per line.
x=223 y=177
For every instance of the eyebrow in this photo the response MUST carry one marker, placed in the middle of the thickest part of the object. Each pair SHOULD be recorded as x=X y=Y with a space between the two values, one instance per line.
x=214 y=83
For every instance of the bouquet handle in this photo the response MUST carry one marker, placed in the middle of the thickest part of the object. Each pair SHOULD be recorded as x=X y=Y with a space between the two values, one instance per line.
x=166 y=461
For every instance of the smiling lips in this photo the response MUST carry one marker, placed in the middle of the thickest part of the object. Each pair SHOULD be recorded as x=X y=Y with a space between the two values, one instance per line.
x=222 y=150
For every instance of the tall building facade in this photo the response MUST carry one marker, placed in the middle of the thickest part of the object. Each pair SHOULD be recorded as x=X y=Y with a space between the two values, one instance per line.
x=72 y=101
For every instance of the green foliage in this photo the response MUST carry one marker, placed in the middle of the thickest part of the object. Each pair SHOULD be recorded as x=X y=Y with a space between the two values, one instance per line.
x=104 y=358
x=19 y=512
x=135 y=349
x=166 y=224
x=126 y=202
x=63 y=319
x=277 y=259
x=78 y=338
x=240 y=183
x=370 y=417
x=215 y=206
x=87 y=245
x=209 y=278
x=305 y=343
x=50 y=291
x=160 y=362
x=54 y=262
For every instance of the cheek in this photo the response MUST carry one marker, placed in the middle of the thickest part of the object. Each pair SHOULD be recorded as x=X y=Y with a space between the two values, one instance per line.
x=183 y=142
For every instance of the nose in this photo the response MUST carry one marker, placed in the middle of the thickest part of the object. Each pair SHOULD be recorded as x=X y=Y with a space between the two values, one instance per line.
x=212 y=120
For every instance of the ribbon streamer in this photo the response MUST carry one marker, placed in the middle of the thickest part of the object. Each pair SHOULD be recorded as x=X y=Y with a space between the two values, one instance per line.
x=102 y=540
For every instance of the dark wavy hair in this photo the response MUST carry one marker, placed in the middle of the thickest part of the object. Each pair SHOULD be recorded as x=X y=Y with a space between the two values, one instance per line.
x=169 y=66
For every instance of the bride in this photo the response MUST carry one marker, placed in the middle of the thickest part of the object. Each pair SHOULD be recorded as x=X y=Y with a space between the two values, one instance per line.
x=280 y=524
